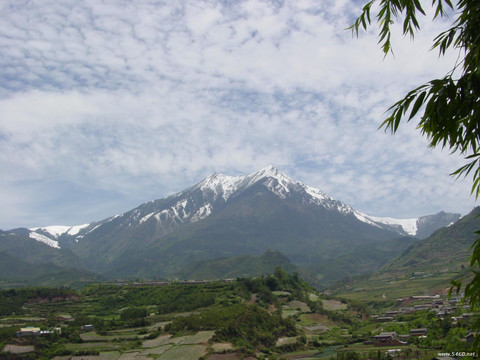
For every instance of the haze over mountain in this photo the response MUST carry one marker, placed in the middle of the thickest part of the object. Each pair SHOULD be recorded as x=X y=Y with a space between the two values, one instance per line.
x=225 y=216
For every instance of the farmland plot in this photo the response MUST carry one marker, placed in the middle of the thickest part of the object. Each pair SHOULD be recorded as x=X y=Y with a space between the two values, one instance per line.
x=199 y=338
x=129 y=356
x=159 y=350
x=17 y=349
x=160 y=340
x=332 y=305
x=184 y=352
x=104 y=356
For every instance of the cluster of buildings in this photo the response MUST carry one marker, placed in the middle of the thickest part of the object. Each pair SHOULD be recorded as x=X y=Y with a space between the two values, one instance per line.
x=32 y=331
x=424 y=302
x=35 y=331
x=417 y=303
x=394 y=339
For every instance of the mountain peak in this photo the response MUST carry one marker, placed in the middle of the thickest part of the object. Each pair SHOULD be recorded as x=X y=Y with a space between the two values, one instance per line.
x=212 y=195
x=269 y=172
x=225 y=185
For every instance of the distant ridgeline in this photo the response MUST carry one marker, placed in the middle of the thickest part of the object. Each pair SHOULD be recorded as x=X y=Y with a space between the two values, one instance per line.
x=223 y=227
x=447 y=249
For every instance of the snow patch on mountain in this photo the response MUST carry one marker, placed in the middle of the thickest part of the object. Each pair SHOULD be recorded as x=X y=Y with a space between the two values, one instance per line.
x=410 y=226
x=268 y=172
x=44 y=239
x=179 y=209
x=221 y=185
x=146 y=217
x=74 y=230
x=317 y=194
x=202 y=213
x=278 y=187
x=54 y=230
x=281 y=185
x=58 y=230
x=365 y=218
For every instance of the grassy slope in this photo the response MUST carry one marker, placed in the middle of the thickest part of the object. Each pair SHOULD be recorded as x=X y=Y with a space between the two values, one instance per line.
x=446 y=249
x=17 y=272
x=240 y=266
x=426 y=267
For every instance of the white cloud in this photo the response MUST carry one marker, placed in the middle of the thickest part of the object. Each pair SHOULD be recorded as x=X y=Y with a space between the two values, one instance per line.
x=136 y=100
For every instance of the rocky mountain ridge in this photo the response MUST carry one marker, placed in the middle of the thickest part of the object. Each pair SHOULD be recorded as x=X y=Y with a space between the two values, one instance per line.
x=199 y=201
x=224 y=216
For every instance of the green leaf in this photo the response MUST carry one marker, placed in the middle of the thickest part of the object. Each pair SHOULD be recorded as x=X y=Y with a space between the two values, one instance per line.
x=418 y=104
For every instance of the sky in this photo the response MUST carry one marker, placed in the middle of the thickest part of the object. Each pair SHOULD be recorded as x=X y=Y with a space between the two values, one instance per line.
x=105 y=105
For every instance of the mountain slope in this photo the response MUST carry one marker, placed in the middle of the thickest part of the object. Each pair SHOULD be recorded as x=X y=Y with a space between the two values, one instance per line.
x=15 y=271
x=446 y=248
x=225 y=216
x=251 y=223
x=17 y=243
x=360 y=260
x=238 y=266
x=200 y=201
x=26 y=261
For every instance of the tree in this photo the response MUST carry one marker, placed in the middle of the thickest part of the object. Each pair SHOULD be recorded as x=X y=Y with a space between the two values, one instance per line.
x=133 y=313
x=450 y=105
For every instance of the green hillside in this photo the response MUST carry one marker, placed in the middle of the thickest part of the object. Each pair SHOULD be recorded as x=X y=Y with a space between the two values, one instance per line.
x=36 y=252
x=426 y=267
x=360 y=260
x=239 y=266
x=17 y=272
x=447 y=249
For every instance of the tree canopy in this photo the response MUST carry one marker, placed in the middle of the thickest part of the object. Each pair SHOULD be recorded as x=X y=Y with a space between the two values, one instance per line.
x=447 y=109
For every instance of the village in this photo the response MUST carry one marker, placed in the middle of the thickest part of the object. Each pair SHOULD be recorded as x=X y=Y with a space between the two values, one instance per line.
x=131 y=321
x=442 y=306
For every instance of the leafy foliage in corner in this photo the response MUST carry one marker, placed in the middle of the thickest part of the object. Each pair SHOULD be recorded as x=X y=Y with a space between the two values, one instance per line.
x=451 y=115
x=451 y=105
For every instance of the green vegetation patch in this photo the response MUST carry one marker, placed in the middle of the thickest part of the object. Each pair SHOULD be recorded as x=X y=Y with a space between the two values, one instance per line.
x=288 y=313
x=12 y=301
x=199 y=338
x=102 y=356
x=220 y=347
x=281 y=293
x=333 y=305
x=94 y=346
x=241 y=324
x=388 y=290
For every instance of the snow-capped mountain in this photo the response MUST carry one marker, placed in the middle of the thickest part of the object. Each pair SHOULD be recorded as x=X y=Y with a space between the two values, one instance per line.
x=211 y=194
x=224 y=216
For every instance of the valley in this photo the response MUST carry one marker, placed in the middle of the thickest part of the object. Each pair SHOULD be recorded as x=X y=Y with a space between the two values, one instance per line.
x=251 y=267
x=277 y=316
